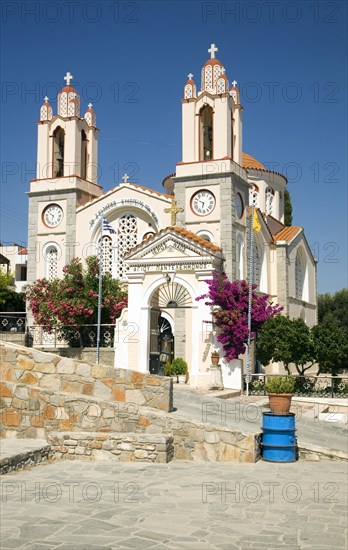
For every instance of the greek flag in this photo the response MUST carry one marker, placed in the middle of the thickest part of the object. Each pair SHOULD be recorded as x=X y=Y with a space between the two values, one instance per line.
x=107 y=226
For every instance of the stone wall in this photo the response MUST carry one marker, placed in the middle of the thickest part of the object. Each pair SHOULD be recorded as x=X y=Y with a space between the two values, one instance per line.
x=125 y=447
x=29 y=412
x=43 y=394
x=52 y=372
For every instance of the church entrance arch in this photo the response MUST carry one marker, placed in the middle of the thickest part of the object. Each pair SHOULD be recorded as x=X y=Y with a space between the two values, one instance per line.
x=169 y=316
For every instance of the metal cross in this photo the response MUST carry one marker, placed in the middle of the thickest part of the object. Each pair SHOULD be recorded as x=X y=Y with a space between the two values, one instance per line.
x=212 y=50
x=190 y=76
x=90 y=105
x=68 y=77
x=46 y=99
x=223 y=70
x=234 y=83
x=125 y=178
x=173 y=210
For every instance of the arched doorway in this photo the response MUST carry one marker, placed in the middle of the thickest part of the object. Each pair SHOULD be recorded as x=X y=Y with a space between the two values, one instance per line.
x=169 y=305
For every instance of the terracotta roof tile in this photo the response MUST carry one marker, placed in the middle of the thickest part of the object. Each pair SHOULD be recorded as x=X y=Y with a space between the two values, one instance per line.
x=288 y=233
x=250 y=162
x=23 y=252
x=150 y=190
x=180 y=231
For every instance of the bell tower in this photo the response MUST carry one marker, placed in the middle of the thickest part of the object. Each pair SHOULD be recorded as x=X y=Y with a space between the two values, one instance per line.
x=211 y=119
x=210 y=183
x=66 y=177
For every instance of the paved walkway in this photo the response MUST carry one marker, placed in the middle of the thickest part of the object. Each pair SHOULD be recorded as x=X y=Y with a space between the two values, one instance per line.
x=82 y=505
x=245 y=414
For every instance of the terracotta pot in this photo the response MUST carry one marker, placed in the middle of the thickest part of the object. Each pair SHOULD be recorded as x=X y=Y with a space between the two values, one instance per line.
x=280 y=403
x=215 y=359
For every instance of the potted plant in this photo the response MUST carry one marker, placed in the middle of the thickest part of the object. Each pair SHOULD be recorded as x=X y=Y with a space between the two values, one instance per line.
x=179 y=369
x=280 y=390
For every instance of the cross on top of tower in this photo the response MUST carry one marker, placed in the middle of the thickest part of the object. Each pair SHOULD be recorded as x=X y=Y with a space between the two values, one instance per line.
x=90 y=105
x=68 y=77
x=46 y=99
x=212 y=50
x=190 y=76
x=223 y=70
x=125 y=178
x=234 y=83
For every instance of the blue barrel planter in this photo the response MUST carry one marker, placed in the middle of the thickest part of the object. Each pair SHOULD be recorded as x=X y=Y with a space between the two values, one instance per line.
x=278 y=442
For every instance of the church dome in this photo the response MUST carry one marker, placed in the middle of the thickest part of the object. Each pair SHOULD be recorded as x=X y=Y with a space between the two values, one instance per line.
x=249 y=162
x=46 y=112
x=213 y=62
x=213 y=78
x=68 y=99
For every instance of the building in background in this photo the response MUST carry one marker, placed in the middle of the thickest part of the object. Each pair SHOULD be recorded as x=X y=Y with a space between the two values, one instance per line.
x=166 y=245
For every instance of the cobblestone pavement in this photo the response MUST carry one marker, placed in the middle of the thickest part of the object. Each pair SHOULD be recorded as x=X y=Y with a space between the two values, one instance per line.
x=177 y=506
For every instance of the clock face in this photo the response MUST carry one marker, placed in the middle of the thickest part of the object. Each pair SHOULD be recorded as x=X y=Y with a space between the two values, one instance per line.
x=202 y=203
x=239 y=205
x=52 y=215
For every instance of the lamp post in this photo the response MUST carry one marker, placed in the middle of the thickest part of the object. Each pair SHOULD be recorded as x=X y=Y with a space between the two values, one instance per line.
x=251 y=273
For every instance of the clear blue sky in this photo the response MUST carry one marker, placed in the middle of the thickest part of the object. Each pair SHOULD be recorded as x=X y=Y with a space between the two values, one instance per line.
x=131 y=60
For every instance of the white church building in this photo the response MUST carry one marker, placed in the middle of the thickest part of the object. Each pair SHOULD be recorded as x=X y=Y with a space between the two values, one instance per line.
x=165 y=245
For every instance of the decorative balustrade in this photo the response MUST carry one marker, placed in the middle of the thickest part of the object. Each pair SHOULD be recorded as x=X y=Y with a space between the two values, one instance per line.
x=12 y=321
x=309 y=386
x=73 y=336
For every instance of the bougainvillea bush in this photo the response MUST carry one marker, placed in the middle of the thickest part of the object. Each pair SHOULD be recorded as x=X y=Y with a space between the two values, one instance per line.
x=229 y=302
x=73 y=300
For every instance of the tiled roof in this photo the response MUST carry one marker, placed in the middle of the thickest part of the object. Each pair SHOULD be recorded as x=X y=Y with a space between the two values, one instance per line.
x=288 y=233
x=150 y=190
x=180 y=231
x=23 y=252
x=250 y=162
x=195 y=238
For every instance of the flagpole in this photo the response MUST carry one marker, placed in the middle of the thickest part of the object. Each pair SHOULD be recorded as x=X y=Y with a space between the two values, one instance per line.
x=251 y=258
x=100 y=287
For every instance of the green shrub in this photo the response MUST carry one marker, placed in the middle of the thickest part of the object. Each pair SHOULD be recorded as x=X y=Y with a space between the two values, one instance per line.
x=178 y=367
x=280 y=384
x=167 y=369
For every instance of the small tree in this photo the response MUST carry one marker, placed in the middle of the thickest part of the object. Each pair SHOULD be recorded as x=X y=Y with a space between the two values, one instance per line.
x=330 y=348
x=6 y=286
x=287 y=208
x=288 y=341
x=73 y=300
x=229 y=302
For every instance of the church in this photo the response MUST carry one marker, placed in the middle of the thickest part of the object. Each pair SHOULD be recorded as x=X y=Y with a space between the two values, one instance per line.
x=166 y=245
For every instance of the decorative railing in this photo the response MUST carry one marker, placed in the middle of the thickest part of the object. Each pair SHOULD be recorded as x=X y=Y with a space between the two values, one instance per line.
x=305 y=386
x=73 y=336
x=12 y=321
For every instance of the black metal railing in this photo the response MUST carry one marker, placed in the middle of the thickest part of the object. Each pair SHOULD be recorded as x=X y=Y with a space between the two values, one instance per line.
x=305 y=386
x=12 y=321
x=73 y=336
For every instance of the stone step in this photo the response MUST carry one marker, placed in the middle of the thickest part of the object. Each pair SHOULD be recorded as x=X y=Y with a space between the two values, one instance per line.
x=16 y=454
x=123 y=447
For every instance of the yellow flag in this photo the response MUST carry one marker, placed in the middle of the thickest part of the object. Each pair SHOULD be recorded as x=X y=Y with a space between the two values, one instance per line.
x=256 y=224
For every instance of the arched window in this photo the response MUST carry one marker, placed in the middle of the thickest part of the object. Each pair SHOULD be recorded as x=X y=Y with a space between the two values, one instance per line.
x=257 y=263
x=51 y=260
x=107 y=255
x=254 y=196
x=269 y=200
x=206 y=133
x=127 y=235
x=83 y=155
x=299 y=275
x=58 y=152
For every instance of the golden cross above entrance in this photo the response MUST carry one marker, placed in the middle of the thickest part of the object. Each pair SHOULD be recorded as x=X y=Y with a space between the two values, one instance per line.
x=173 y=210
